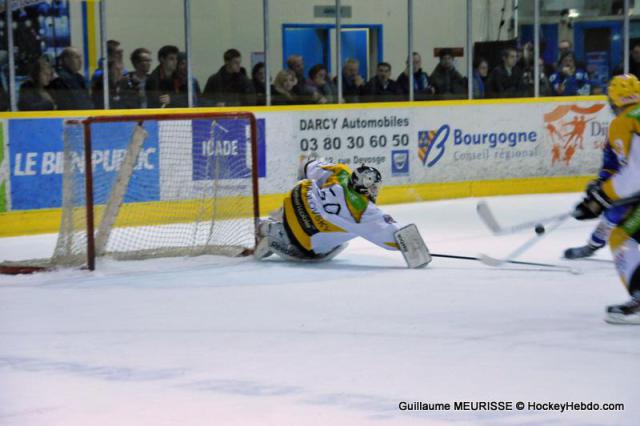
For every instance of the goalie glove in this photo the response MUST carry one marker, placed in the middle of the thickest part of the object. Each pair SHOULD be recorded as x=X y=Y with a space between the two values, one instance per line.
x=593 y=204
x=303 y=162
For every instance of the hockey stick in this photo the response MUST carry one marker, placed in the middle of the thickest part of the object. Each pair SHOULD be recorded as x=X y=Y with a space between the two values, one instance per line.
x=492 y=261
x=514 y=262
x=635 y=198
x=490 y=221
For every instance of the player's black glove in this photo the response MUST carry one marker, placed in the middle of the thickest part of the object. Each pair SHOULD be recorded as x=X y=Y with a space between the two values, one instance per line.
x=594 y=202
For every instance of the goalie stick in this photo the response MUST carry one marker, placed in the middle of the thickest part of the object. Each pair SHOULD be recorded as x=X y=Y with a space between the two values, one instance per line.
x=514 y=262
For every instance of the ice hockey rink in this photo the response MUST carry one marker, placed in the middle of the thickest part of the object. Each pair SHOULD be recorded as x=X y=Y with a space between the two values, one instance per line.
x=205 y=341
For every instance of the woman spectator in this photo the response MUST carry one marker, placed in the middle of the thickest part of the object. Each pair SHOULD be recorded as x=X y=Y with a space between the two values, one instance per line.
x=480 y=75
x=258 y=79
x=33 y=91
x=569 y=80
x=282 y=93
x=321 y=89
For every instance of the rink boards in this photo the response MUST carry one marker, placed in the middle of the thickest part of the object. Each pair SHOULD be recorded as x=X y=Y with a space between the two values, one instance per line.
x=424 y=150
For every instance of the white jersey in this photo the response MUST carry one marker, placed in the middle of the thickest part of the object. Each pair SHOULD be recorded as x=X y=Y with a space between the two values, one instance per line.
x=322 y=212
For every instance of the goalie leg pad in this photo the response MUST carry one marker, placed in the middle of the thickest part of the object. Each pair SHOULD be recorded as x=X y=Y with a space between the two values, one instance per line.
x=412 y=246
x=275 y=240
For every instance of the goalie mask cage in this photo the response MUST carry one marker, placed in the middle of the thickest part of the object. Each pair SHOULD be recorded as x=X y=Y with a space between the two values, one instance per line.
x=146 y=186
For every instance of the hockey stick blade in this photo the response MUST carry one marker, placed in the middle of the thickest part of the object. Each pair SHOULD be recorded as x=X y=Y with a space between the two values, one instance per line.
x=488 y=218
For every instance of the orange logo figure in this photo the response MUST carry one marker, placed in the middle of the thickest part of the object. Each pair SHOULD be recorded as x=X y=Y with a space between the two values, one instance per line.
x=565 y=145
x=568 y=154
x=556 y=153
x=579 y=126
x=553 y=131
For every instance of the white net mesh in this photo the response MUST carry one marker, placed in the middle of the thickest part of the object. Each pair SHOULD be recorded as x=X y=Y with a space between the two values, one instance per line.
x=167 y=187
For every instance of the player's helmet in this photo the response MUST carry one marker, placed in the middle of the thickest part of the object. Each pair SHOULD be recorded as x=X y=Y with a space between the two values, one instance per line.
x=624 y=90
x=366 y=181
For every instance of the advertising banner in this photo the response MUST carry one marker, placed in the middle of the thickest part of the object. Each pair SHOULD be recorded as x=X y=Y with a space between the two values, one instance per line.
x=36 y=153
x=409 y=145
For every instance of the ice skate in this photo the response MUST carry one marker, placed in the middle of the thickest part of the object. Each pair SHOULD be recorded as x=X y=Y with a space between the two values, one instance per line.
x=626 y=313
x=581 y=252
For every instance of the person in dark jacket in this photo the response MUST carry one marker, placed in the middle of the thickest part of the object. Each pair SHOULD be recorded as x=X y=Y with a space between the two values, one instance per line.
x=445 y=78
x=505 y=81
x=259 y=80
x=182 y=76
x=162 y=86
x=319 y=84
x=303 y=93
x=117 y=87
x=70 y=90
x=134 y=95
x=421 y=86
x=33 y=94
x=352 y=82
x=230 y=86
x=382 y=88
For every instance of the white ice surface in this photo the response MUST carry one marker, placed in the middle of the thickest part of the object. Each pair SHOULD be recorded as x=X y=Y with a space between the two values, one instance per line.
x=210 y=341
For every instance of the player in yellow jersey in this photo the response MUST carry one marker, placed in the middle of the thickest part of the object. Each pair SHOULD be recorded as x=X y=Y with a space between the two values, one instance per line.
x=330 y=206
x=622 y=188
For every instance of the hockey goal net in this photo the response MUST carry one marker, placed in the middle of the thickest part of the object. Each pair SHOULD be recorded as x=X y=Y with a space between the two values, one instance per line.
x=137 y=187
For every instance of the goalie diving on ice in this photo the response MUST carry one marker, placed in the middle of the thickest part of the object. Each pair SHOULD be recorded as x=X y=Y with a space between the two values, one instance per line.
x=330 y=206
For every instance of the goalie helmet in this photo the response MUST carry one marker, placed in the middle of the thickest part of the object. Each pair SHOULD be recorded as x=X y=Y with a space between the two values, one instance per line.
x=624 y=90
x=366 y=181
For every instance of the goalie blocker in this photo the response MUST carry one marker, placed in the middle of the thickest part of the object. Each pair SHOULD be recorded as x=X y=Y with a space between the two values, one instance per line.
x=412 y=246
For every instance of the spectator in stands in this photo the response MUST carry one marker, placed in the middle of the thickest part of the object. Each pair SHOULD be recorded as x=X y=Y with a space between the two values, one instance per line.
x=634 y=61
x=33 y=94
x=230 y=86
x=115 y=52
x=421 y=86
x=4 y=99
x=259 y=81
x=70 y=89
x=282 y=89
x=570 y=80
x=480 y=76
x=117 y=85
x=352 y=82
x=564 y=47
x=162 y=86
x=382 y=88
x=528 y=73
x=182 y=76
x=296 y=64
x=134 y=95
x=445 y=78
x=505 y=81
x=320 y=85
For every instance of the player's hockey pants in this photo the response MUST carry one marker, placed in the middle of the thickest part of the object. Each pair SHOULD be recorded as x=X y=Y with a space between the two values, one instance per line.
x=626 y=254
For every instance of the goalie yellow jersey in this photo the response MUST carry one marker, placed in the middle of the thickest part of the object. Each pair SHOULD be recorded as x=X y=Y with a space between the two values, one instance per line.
x=323 y=212
x=624 y=139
